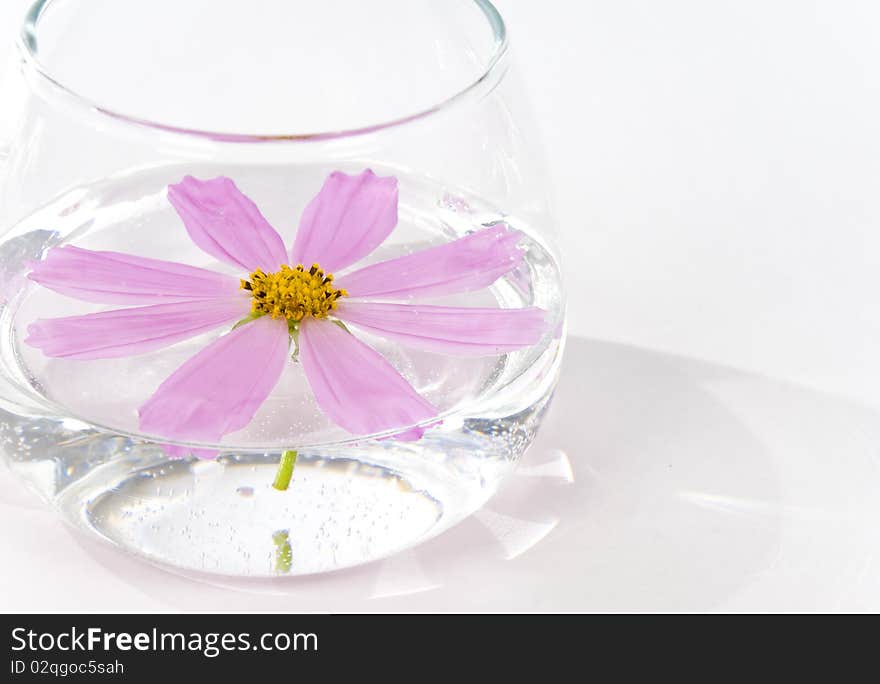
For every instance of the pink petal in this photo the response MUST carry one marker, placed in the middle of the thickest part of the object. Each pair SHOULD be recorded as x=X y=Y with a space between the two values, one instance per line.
x=177 y=451
x=469 y=263
x=448 y=329
x=226 y=224
x=219 y=390
x=126 y=332
x=346 y=220
x=354 y=385
x=116 y=278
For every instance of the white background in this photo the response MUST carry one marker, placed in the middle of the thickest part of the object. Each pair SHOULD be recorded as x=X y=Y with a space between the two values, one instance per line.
x=715 y=167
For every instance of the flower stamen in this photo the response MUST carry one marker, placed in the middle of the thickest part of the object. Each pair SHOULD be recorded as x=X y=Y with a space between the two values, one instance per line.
x=293 y=293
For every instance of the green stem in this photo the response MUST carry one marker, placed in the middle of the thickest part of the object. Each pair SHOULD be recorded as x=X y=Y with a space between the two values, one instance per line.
x=285 y=470
x=283 y=552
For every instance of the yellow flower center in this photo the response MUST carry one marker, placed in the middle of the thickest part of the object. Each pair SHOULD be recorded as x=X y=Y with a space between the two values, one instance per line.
x=293 y=293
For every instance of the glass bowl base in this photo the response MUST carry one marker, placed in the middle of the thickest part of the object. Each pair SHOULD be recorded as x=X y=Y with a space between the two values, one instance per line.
x=225 y=517
x=345 y=505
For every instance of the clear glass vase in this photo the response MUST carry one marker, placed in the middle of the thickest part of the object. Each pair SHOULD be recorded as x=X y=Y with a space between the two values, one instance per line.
x=110 y=104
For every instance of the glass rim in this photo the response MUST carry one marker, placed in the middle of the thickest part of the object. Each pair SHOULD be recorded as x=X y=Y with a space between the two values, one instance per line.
x=28 y=47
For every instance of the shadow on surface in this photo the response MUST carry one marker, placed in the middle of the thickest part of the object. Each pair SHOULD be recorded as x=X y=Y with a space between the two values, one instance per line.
x=657 y=483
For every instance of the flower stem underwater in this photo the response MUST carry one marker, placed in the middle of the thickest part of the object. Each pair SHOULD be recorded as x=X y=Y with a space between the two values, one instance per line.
x=285 y=471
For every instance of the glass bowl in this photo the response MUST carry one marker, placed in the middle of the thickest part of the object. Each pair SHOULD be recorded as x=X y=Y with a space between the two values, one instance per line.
x=115 y=105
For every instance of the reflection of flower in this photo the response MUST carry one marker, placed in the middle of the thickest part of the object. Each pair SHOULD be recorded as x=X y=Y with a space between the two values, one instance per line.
x=219 y=390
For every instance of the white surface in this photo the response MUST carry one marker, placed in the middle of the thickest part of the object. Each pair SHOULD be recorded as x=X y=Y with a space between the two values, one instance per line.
x=716 y=168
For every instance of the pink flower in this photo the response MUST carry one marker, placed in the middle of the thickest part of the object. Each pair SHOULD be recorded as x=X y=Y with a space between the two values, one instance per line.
x=219 y=390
